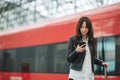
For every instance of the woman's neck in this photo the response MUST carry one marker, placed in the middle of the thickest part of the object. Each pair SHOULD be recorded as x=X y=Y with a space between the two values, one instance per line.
x=84 y=38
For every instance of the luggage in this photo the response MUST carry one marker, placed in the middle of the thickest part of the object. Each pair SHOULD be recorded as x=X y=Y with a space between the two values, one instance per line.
x=105 y=73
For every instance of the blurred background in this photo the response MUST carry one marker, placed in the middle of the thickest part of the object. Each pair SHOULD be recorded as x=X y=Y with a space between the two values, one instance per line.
x=18 y=13
x=34 y=37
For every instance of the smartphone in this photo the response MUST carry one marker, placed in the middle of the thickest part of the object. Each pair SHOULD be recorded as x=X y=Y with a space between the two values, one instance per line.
x=70 y=79
x=81 y=43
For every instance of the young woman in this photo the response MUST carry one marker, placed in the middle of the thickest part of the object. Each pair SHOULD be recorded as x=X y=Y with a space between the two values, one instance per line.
x=82 y=52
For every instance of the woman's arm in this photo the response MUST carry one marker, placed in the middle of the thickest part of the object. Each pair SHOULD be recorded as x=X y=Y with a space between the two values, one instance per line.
x=100 y=62
x=71 y=53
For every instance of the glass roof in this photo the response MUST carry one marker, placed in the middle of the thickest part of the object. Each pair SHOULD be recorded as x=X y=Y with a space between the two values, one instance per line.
x=17 y=13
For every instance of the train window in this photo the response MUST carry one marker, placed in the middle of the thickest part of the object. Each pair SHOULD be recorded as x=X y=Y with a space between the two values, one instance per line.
x=25 y=55
x=106 y=52
x=109 y=45
x=7 y=61
x=60 y=58
x=41 y=59
x=51 y=58
x=1 y=53
x=118 y=55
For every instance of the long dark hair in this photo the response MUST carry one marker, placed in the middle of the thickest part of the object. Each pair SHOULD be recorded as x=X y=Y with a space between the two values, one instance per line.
x=78 y=36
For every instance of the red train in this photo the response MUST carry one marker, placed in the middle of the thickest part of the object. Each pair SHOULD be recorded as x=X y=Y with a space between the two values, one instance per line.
x=38 y=53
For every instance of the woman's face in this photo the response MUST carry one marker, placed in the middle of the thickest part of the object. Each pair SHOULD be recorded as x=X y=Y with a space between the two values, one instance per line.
x=84 y=30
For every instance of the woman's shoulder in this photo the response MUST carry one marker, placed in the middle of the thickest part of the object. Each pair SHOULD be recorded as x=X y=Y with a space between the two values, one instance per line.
x=95 y=39
x=72 y=37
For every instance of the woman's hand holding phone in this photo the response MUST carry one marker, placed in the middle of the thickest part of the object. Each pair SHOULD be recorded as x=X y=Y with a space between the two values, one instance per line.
x=80 y=47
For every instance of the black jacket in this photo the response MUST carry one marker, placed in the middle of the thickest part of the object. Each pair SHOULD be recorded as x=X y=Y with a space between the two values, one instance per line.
x=76 y=59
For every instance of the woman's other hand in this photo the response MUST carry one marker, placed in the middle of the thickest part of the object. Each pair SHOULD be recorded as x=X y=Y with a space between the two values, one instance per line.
x=105 y=64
